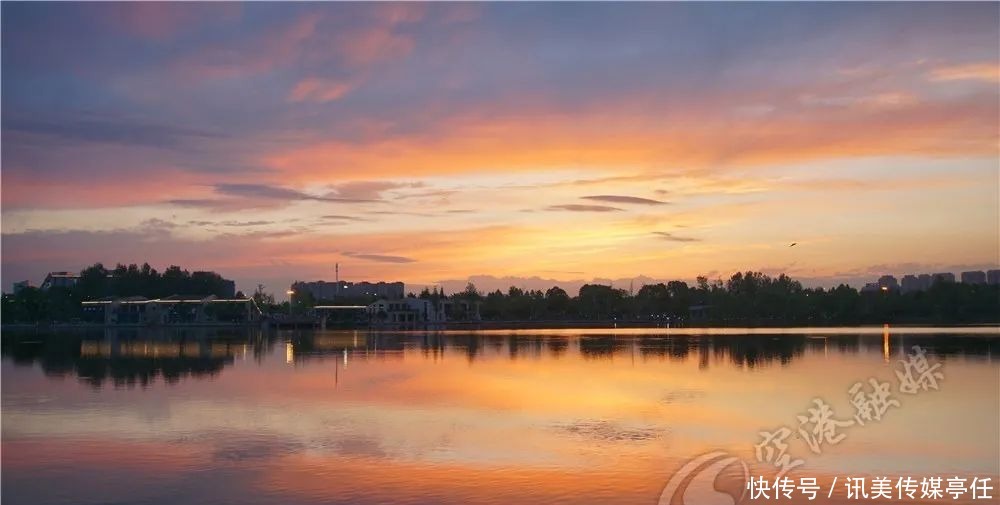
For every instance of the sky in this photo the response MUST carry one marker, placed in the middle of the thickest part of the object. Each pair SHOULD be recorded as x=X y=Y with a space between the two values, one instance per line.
x=525 y=144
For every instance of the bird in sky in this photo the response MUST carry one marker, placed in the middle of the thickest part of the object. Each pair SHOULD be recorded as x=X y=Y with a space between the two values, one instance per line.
x=793 y=244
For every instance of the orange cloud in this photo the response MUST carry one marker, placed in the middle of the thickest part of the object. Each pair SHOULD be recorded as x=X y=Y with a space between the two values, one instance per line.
x=989 y=72
x=622 y=134
x=140 y=187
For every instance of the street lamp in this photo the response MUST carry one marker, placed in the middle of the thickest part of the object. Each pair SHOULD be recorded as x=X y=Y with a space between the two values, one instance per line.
x=290 y=294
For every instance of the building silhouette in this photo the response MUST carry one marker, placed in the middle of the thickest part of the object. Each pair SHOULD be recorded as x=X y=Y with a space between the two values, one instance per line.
x=910 y=284
x=59 y=280
x=323 y=290
x=993 y=277
x=888 y=283
x=974 y=277
x=925 y=281
x=943 y=277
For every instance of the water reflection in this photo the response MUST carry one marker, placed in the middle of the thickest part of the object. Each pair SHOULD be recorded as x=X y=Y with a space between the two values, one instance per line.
x=137 y=357
x=133 y=357
x=490 y=417
x=740 y=350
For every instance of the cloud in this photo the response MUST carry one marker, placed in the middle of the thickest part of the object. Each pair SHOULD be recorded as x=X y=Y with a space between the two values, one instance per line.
x=584 y=208
x=373 y=44
x=674 y=238
x=396 y=13
x=85 y=185
x=242 y=196
x=381 y=258
x=700 y=135
x=380 y=38
x=156 y=225
x=261 y=191
x=623 y=199
x=370 y=190
x=260 y=52
x=108 y=128
x=339 y=217
x=883 y=100
x=160 y=21
x=207 y=203
x=268 y=192
x=315 y=38
x=402 y=213
x=240 y=224
x=988 y=72
x=450 y=105
x=443 y=194
x=30 y=254
x=319 y=90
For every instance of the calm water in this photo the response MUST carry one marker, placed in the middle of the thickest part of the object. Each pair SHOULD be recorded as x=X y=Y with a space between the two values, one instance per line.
x=567 y=416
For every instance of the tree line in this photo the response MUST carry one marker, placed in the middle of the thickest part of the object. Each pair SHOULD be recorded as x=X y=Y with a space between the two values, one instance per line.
x=750 y=298
x=746 y=298
x=62 y=304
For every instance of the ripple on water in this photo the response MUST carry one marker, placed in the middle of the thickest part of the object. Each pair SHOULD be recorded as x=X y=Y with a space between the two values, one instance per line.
x=608 y=431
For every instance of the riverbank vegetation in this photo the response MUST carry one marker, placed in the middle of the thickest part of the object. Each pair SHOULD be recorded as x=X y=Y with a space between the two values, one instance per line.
x=746 y=298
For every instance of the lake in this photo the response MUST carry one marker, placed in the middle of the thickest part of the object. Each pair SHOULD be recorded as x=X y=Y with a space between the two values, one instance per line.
x=602 y=416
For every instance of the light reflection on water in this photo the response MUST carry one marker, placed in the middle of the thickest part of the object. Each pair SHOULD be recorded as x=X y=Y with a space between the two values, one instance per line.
x=568 y=415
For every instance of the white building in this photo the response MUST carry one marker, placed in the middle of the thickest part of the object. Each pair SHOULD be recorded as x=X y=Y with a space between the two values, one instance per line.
x=420 y=310
x=404 y=310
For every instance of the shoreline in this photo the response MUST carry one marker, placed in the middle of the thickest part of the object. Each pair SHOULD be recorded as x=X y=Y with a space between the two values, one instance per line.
x=550 y=326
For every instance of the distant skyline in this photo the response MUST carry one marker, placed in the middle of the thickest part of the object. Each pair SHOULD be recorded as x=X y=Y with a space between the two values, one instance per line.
x=434 y=143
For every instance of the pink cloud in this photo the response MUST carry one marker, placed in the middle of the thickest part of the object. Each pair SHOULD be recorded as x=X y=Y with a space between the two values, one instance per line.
x=161 y=20
x=316 y=89
x=989 y=72
x=255 y=55
x=119 y=189
x=312 y=40
x=364 y=47
x=394 y=13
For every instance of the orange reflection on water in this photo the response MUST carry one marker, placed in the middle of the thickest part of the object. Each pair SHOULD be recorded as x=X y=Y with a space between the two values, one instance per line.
x=885 y=343
x=463 y=417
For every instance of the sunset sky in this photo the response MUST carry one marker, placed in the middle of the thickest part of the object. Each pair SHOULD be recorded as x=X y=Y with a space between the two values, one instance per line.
x=534 y=143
